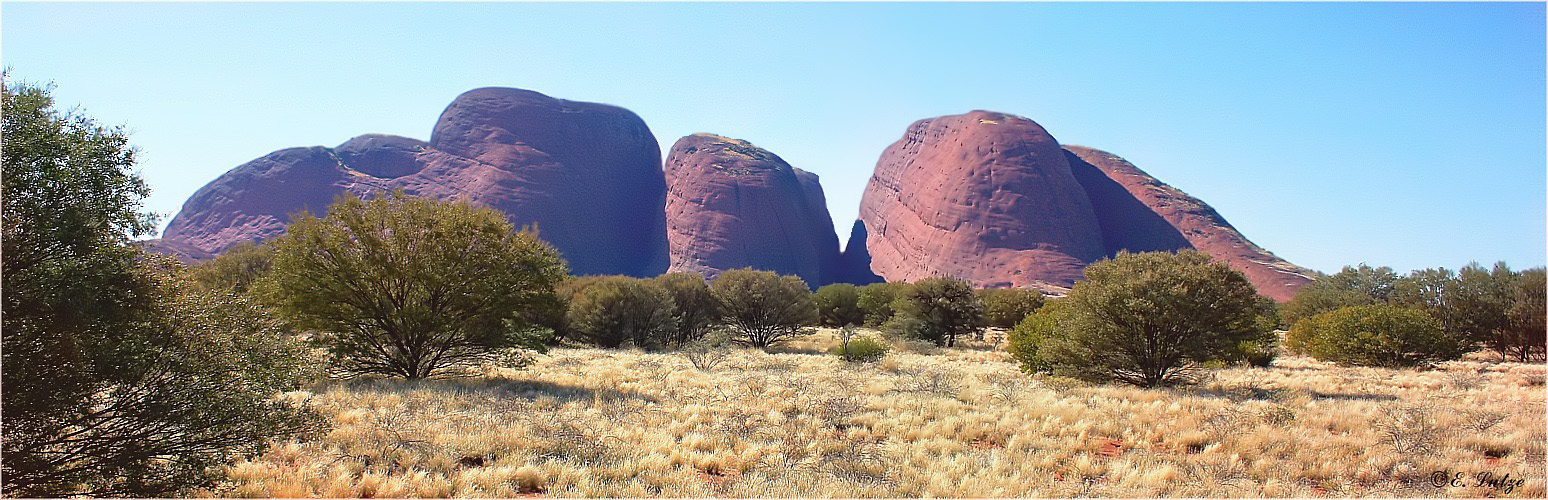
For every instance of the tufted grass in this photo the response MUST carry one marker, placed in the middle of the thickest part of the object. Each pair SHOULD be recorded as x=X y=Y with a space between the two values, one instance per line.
x=958 y=423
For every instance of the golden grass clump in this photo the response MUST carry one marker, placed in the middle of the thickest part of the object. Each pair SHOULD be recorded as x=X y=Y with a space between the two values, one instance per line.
x=960 y=423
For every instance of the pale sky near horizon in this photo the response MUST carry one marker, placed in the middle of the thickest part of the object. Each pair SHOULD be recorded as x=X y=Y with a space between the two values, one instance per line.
x=1401 y=134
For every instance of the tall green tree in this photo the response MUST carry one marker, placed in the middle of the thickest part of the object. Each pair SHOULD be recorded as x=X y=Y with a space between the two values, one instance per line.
x=1527 y=318
x=945 y=308
x=118 y=379
x=762 y=307
x=1148 y=319
x=410 y=287
x=838 y=305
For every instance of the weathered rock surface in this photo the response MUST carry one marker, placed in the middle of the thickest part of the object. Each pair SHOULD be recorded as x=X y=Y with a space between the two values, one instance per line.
x=731 y=204
x=587 y=175
x=1192 y=219
x=993 y=199
x=986 y=197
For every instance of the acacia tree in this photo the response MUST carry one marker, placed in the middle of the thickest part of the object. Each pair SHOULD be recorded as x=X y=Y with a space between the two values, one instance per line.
x=1147 y=319
x=119 y=379
x=1527 y=319
x=696 y=309
x=838 y=305
x=945 y=308
x=762 y=307
x=619 y=309
x=408 y=287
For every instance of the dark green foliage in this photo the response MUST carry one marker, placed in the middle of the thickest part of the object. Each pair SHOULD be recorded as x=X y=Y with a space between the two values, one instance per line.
x=1005 y=307
x=1525 y=324
x=1352 y=286
x=947 y=308
x=616 y=310
x=696 y=310
x=1148 y=319
x=763 y=308
x=1473 y=305
x=118 y=379
x=839 y=305
x=236 y=269
x=1374 y=335
x=1261 y=351
x=876 y=300
x=409 y=287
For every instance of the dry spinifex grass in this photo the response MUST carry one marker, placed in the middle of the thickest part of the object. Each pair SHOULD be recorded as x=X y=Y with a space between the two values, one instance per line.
x=961 y=423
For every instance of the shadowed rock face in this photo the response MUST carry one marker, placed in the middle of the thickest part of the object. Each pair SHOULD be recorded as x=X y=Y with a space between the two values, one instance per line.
x=732 y=205
x=586 y=175
x=1193 y=220
x=983 y=196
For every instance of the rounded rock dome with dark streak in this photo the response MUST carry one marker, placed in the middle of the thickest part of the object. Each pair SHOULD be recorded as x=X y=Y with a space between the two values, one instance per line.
x=587 y=175
x=983 y=196
x=731 y=205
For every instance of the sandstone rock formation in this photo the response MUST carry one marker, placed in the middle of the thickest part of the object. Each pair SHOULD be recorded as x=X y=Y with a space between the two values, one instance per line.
x=1202 y=227
x=983 y=196
x=586 y=175
x=731 y=204
x=993 y=199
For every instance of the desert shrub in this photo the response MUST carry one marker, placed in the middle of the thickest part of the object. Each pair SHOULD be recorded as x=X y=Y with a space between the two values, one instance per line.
x=861 y=348
x=1005 y=307
x=876 y=299
x=1147 y=319
x=946 y=307
x=696 y=309
x=709 y=351
x=616 y=310
x=410 y=287
x=1352 y=286
x=236 y=269
x=1026 y=339
x=120 y=378
x=763 y=308
x=838 y=304
x=1375 y=335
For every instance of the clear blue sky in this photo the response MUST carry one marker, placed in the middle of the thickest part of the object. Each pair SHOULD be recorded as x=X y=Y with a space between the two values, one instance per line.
x=1410 y=135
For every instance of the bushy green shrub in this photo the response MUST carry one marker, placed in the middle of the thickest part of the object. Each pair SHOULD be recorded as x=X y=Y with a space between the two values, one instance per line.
x=876 y=301
x=838 y=304
x=236 y=269
x=862 y=349
x=120 y=377
x=946 y=307
x=1005 y=307
x=1351 y=286
x=617 y=310
x=762 y=307
x=696 y=309
x=1374 y=335
x=406 y=286
x=1147 y=319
